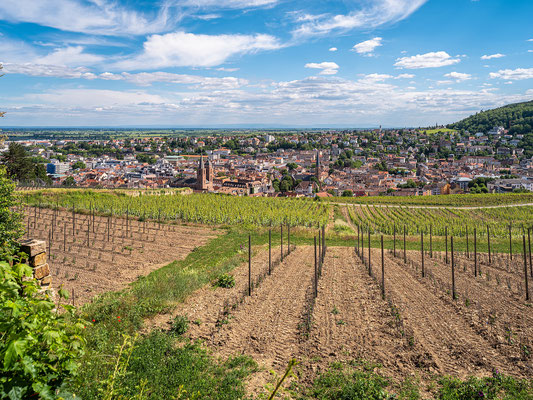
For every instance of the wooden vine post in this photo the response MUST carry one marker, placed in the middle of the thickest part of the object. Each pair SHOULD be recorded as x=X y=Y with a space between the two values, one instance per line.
x=529 y=246
x=289 y=239
x=467 y=244
x=431 y=241
x=510 y=244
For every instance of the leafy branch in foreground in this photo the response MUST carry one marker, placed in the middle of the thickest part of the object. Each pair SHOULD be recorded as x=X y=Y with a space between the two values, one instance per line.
x=39 y=347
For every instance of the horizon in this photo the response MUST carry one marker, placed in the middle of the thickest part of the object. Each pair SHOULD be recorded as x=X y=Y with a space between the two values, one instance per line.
x=266 y=63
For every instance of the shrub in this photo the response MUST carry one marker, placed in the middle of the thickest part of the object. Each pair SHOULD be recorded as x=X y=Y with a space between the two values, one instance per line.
x=180 y=324
x=225 y=281
x=39 y=347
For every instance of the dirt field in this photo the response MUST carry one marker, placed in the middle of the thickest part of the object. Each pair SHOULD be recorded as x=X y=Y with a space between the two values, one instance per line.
x=416 y=331
x=94 y=255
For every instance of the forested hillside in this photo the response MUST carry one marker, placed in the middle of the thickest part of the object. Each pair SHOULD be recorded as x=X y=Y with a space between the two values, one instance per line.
x=518 y=118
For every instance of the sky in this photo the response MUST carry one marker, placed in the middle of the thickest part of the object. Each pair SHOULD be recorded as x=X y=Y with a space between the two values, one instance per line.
x=271 y=63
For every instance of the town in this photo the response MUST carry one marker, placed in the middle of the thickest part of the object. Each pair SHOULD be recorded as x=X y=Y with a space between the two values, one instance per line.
x=378 y=162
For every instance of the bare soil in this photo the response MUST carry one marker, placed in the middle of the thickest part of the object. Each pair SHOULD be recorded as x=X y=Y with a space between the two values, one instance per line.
x=90 y=256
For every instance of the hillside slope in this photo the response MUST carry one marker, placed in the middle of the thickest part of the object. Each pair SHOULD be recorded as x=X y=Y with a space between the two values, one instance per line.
x=518 y=118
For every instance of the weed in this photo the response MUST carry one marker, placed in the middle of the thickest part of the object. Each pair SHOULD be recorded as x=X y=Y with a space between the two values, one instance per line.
x=180 y=324
x=225 y=281
x=335 y=311
x=341 y=322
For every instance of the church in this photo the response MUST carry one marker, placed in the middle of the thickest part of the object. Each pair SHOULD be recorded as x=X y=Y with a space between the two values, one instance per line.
x=204 y=177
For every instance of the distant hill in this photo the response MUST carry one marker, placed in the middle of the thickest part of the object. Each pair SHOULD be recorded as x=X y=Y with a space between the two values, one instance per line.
x=518 y=118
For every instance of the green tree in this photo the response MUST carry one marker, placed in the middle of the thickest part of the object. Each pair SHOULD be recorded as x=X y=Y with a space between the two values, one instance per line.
x=79 y=165
x=347 y=193
x=69 y=181
x=18 y=163
x=11 y=228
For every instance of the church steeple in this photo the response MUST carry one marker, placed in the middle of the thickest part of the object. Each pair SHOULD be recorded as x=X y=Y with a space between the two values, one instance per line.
x=200 y=176
x=318 y=167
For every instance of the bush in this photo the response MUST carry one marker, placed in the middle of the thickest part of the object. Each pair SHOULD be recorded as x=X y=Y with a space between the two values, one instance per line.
x=180 y=325
x=225 y=281
x=39 y=346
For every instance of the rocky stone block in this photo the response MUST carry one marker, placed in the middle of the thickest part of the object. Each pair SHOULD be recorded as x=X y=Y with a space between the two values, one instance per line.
x=32 y=247
x=41 y=271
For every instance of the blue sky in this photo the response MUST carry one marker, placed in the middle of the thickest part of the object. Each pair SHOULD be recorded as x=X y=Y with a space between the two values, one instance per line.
x=353 y=63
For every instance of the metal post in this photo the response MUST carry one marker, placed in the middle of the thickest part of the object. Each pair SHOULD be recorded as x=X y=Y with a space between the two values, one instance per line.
x=249 y=265
x=525 y=266
x=475 y=252
x=488 y=243
x=422 y=253
x=446 y=237
x=281 y=242
x=288 y=239
x=394 y=241
x=453 y=270
x=316 y=271
x=382 y=269
x=404 y=249
x=467 y=245
x=510 y=244
x=529 y=245
x=369 y=262
x=431 y=241
x=269 y=251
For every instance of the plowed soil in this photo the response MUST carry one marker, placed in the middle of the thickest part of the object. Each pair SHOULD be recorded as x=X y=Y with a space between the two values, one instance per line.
x=96 y=255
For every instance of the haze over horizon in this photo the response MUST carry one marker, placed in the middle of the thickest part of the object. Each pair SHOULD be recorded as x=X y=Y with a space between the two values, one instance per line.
x=269 y=63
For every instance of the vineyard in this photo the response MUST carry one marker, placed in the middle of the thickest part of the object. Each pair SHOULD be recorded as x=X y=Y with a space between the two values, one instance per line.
x=452 y=200
x=197 y=208
x=456 y=221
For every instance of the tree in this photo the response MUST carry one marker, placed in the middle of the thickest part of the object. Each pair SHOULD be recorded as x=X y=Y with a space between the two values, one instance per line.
x=292 y=166
x=79 y=165
x=18 y=164
x=11 y=228
x=69 y=181
x=2 y=113
x=347 y=193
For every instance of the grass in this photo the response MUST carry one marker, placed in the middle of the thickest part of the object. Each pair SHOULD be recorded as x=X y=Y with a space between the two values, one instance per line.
x=362 y=380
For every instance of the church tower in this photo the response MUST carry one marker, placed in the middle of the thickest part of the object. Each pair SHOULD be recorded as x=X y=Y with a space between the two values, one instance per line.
x=201 y=176
x=209 y=171
x=318 y=166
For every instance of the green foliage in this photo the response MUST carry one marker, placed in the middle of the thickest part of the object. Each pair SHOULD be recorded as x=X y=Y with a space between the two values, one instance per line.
x=155 y=367
x=79 y=165
x=497 y=386
x=69 y=182
x=39 y=347
x=10 y=222
x=518 y=118
x=180 y=324
x=225 y=281
x=347 y=193
x=350 y=381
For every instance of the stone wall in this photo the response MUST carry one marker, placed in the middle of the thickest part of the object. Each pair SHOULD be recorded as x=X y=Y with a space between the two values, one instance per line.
x=36 y=249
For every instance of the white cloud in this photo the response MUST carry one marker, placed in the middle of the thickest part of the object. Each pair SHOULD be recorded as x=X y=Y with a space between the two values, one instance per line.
x=327 y=67
x=428 y=60
x=368 y=46
x=71 y=55
x=458 y=76
x=405 y=76
x=333 y=49
x=228 y=3
x=530 y=40
x=181 y=49
x=371 y=78
x=513 y=74
x=380 y=12
x=96 y=16
x=56 y=71
x=491 y=56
